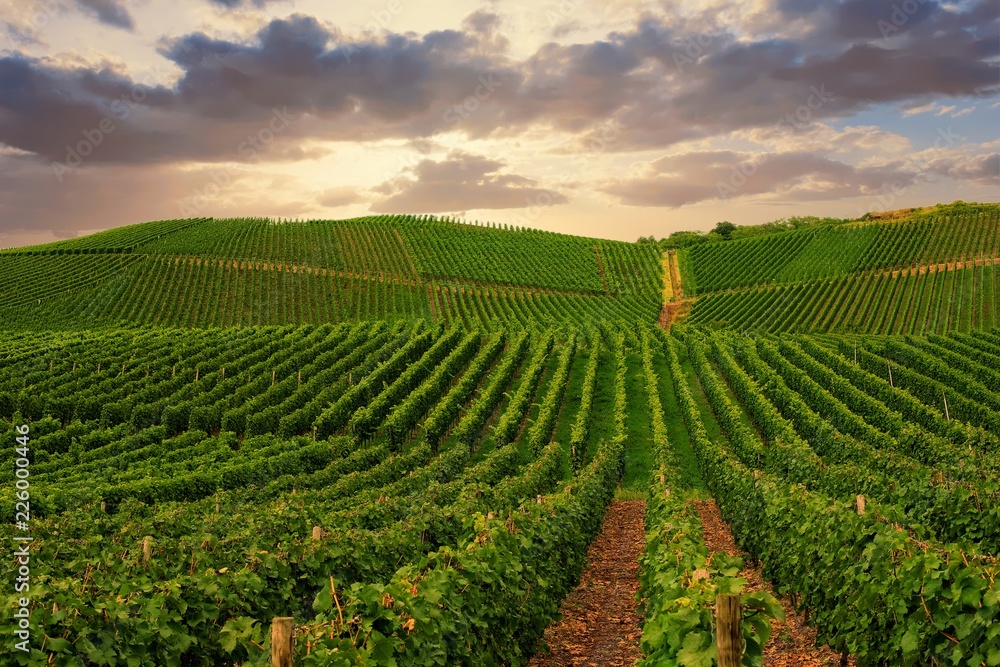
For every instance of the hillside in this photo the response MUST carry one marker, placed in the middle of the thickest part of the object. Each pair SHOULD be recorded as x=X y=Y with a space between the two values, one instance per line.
x=405 y=434
x=255 y=272
x=932 y=270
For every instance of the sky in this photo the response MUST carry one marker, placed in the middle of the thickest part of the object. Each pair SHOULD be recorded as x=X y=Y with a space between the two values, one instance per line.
x=611 y=118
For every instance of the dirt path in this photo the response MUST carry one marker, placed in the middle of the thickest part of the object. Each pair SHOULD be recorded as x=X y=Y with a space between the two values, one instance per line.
x=945 y=266
x=600 y=625
x=673 y=311
x=675 y=276
x=792 y=642
x=675 y=306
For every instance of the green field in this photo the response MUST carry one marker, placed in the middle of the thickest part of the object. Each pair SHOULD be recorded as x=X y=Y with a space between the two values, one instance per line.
x=403 y=432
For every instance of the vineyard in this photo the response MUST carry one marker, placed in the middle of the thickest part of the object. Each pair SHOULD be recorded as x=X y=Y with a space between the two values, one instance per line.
x=254 y=272
x=941 y=235
x=403 y=434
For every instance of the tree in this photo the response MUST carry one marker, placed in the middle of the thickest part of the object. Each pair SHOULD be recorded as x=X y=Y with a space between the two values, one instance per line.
x=684 y=239
x=725 y=229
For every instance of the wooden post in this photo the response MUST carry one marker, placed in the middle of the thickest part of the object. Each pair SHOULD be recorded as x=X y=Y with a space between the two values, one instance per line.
x=663 y=479
x=281 y=641
x=861 y=504
x=103 y=506
x=855 y=353
x=272 y=377
x=223 y=372
x=539 y=499
x=350 y=379
x=197 y=373
x=317 y=533
x=123 y=369
x=300 y=377
x=147 y=548
x=147 y=370
x=98 y=368
x=173 y=371
x=728 y=630
x=945 y=397
x=314 y=434
x=50 y=365
x=891 y=383
x=74 y=365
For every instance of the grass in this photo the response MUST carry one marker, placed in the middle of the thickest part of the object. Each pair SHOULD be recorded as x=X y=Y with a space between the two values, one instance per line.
x=525 y=454
x=601 y=420
x=712 y=427
x=677 y=434
x=571 y=404
x=639 y=431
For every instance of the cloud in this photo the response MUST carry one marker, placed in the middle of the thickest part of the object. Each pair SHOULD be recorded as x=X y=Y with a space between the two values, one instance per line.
x=979 y=169
x=340 y=196
x=109 y=12
x=462 y=181
x=418 y=86
x=33 y=203
x=689 y=178
x=234 y=4
x=923 y=108
x=824 y=139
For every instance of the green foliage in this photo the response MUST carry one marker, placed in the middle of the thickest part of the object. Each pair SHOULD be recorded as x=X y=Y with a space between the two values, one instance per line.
x=725 y=229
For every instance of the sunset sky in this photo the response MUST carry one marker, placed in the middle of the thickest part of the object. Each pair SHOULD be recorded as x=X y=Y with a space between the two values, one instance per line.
x=615 y=119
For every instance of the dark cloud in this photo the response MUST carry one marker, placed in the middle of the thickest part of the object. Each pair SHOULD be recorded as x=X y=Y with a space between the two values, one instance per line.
x=109 y=12
x=663 y=81
x=462 y=181
x=872 y=19
x=798 y=7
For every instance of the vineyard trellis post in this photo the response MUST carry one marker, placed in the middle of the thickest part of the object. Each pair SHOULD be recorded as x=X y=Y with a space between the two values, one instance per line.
x=282 y=634
x=728 y=631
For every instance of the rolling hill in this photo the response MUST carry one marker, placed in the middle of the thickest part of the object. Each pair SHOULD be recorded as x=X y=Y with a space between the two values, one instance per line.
x=403 y=433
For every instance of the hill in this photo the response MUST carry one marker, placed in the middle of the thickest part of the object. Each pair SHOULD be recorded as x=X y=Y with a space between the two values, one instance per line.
x=932 y=270
x=254 y=272
x=404 y=433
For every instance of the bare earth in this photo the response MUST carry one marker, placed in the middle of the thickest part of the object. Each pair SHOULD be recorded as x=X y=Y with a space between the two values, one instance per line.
x=600 y=625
